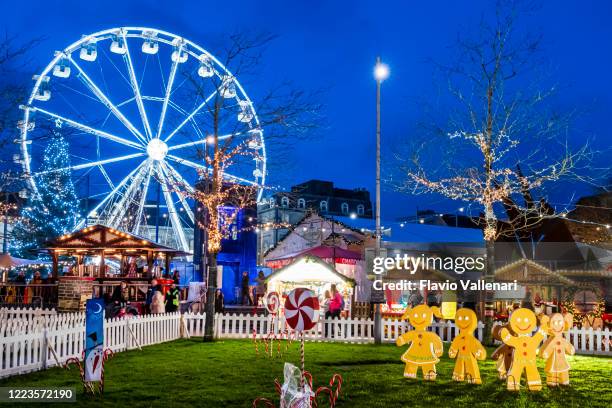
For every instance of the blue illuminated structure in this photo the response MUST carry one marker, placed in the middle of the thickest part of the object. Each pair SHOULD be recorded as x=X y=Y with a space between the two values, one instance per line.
x=238 y=253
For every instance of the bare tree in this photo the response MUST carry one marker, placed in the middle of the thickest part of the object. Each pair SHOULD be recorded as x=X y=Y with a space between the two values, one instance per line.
x=14 y=61
x=502 y=138
x=285 y=114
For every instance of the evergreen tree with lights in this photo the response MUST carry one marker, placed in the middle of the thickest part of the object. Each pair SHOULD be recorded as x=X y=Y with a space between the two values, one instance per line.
x=55 y=209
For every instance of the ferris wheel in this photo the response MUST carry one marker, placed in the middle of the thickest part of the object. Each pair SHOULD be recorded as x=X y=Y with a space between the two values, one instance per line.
x=135 y=106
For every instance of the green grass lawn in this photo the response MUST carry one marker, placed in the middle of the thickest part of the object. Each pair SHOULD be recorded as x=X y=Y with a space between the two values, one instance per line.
x=229 y=374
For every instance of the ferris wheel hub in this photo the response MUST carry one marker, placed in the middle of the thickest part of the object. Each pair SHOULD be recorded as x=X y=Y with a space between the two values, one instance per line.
x=157 y=149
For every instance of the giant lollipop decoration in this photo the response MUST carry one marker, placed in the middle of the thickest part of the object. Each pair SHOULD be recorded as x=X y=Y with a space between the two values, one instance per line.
x=272 y=302
x=301 y=309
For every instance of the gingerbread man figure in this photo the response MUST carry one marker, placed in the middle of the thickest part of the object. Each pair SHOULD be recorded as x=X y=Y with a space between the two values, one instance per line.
x=425 y=347
x=466 y=348
x=554 y=350
x=523 y=322
x=503 y=354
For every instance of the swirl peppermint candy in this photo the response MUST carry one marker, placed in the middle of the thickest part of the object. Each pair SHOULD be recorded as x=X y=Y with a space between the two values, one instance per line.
x=272 y=302
x=301 y=307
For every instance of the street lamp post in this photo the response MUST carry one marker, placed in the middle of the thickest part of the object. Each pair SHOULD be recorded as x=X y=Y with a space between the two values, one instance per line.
x=381 y=72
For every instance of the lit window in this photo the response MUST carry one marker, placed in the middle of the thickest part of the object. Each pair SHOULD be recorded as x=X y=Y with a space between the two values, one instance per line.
x=272 y=202
x=360 y=209
x=301 y=203
x=323 y=206
x=285 y=201
x=345 y=208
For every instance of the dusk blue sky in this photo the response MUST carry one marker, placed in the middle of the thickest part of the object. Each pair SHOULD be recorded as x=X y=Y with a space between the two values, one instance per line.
x=333 y=45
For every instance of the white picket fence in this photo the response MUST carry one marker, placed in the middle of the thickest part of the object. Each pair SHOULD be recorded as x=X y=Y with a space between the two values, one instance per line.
x=12 y=322
x=37 y=349
x=24 y=314
x=52 y=342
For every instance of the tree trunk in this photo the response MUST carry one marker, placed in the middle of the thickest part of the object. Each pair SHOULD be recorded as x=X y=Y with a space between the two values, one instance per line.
x=211 y=285
x=487 y=300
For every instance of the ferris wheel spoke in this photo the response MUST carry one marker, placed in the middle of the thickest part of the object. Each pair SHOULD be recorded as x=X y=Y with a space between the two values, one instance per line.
x=111 y=194
x=174 y=219
x=191 y=115
x=162 y=116
x=122 y=207
x=87 y=129
x=92 y=164
x=167 y=168
x=136 y=88
x=226 y=176
x=204 y=141
x=143 y=201
x=104 y=99
x=106 y=177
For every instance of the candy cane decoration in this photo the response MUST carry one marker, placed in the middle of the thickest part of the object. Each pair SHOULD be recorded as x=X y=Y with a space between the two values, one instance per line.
x=333 y=393
x=87 y=385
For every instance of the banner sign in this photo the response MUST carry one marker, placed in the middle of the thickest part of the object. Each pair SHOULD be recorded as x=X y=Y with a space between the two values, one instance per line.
x=94 y=339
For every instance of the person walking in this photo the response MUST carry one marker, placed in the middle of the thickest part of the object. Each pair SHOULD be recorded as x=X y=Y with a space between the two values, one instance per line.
x=20 y=281
x=245 y=289
x=37 y=289
x=336 y=304
x=219 y=301
x=150 y=293
x=172 y=299
x=158 y=303
x=261 y=288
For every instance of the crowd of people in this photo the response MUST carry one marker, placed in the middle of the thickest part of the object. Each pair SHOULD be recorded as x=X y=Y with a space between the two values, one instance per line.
x=35 y=292
x=259 y=292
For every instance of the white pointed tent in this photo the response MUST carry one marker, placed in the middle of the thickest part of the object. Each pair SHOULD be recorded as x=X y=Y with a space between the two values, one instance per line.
x=308 y=269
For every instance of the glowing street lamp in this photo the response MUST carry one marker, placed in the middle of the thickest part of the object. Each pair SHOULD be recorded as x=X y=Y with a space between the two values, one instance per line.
x=381 y=72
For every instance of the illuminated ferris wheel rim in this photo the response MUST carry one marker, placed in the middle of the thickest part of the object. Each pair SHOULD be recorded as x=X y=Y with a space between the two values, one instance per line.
x=148 y=141
x=142 y=33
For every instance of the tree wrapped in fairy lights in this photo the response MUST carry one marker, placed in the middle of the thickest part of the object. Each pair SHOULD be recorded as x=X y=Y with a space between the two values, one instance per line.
x=500 y=139
x=54 y=209
x=287 y=115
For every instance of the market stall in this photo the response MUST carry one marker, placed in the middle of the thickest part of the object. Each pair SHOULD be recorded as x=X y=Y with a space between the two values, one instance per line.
x=309 y=271
x=99 y=258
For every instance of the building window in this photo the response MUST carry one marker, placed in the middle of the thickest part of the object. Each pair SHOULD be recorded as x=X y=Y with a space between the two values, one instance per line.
x=301 y=203
x=344 y=207
x=272 y=202
x=285 y=201
x=360 y=209
x=323 y=206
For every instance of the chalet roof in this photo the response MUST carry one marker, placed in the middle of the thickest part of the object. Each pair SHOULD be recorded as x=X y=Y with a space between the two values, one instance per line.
x=526 y=270
x=297 y=272
x=99 y=237
x=323 y=252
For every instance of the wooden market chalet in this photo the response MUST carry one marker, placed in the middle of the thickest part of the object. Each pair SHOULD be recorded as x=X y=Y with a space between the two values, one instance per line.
x=104 y=243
